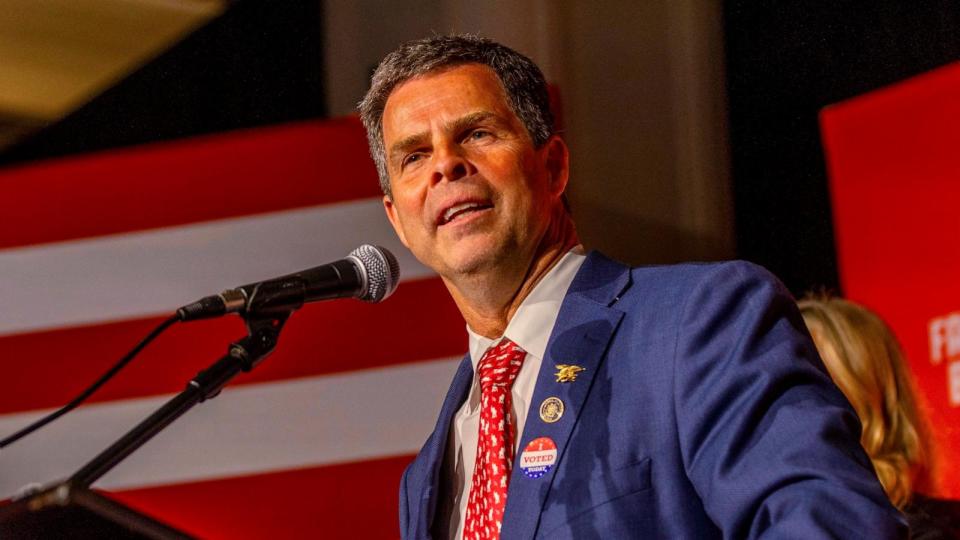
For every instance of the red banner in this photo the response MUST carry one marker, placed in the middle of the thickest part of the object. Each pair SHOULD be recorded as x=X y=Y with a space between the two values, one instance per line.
x=894 y=161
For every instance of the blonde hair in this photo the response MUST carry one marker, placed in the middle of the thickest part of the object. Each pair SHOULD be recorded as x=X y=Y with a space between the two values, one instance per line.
x=865 y=360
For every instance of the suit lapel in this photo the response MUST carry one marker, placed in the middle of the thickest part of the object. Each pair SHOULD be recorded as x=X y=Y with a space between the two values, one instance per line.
x=433 y=452
x=580 y=337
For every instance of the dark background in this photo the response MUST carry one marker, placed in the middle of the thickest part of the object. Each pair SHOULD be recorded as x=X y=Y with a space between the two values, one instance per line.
x=785 y=62
x=259 y=63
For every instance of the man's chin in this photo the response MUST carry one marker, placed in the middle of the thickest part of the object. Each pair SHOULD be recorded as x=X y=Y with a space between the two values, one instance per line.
x=467 y=266
x=470 y=260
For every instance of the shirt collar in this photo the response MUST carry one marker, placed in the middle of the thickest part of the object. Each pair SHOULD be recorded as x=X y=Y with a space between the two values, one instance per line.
x=531 y=325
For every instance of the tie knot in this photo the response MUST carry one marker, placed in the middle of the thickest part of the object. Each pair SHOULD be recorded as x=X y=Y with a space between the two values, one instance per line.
x=500 y=364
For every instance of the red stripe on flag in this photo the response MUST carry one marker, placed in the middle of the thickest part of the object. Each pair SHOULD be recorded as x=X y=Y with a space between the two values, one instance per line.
x=48 y=368
x=198 y=179
x=355 y=500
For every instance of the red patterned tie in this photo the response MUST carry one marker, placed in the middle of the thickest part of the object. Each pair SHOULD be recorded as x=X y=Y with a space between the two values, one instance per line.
x=491 y=473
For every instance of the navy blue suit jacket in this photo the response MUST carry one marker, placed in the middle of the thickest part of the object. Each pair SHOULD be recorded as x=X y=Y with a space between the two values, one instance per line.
x=703 y=412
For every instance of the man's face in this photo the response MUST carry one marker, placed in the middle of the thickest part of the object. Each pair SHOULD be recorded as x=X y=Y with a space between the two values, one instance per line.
x=469 y=190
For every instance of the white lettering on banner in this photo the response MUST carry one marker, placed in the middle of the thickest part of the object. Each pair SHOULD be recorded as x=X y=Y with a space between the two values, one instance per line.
x=944 y=334
x=953 y=379
x=944 y=337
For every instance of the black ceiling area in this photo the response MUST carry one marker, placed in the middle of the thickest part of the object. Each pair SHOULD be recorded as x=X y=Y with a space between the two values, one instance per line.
x=248 y=67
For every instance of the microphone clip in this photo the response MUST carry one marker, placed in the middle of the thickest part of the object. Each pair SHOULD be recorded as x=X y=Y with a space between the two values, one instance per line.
x=262 y=335
x=271 y=298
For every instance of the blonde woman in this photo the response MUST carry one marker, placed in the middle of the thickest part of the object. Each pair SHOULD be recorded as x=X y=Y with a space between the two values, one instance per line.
x=866 y=362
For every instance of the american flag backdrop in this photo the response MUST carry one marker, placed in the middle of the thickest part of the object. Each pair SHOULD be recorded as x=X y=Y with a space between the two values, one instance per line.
x=96 y=250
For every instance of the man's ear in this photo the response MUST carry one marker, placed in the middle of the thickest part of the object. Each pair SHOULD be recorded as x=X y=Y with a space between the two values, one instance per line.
x=557 y=161
x=391 y=211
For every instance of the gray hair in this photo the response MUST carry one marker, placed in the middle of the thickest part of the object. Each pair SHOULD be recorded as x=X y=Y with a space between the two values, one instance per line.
x=522 y=81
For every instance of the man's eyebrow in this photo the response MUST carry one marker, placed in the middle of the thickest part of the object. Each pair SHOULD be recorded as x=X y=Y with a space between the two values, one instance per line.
x=403 y=144
x=456 y=126
x=469 y=120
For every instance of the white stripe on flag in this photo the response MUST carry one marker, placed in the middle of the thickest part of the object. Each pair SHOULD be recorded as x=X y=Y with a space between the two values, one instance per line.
x=153 y=272
x=246 y=430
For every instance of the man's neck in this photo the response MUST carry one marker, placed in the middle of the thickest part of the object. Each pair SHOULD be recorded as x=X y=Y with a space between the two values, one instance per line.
x=497 y=297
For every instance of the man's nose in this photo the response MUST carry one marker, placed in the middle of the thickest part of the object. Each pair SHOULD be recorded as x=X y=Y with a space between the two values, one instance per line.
x=451 y=164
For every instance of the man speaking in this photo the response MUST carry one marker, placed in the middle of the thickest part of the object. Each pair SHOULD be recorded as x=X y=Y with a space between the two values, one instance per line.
x=598 y=400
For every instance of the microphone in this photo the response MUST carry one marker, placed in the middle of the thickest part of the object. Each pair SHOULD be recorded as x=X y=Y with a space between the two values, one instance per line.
x=369 y=273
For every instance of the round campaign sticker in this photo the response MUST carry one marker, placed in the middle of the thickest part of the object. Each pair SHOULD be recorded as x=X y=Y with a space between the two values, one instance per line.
x=538 y=457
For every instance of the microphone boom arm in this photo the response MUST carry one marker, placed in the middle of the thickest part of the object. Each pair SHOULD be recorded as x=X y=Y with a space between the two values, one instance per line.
x=369 y=273
x=242 y=355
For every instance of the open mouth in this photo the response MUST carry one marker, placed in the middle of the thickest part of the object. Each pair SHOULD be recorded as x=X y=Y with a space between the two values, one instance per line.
x=462 y=210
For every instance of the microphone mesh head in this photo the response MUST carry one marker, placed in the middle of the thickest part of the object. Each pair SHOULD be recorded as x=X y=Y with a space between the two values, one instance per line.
x=381 y=270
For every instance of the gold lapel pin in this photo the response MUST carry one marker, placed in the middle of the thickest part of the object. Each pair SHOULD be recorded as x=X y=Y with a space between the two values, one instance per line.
x=568 y=372
x=551 y=409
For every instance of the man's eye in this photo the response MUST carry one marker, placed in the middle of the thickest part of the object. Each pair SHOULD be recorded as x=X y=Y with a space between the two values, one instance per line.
x=478 y=134
x=410 y=159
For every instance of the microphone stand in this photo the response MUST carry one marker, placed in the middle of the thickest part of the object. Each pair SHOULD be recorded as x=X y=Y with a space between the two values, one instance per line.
x=242 y=355
x=34 y=512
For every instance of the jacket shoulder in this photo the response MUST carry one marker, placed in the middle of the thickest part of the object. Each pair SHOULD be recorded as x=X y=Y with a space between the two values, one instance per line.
x=676 y=282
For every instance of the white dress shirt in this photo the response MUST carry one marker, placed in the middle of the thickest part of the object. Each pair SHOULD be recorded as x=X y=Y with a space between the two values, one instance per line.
x=529 y=328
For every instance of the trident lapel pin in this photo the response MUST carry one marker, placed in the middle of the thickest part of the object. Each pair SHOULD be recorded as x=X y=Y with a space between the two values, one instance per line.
x=567 y=372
